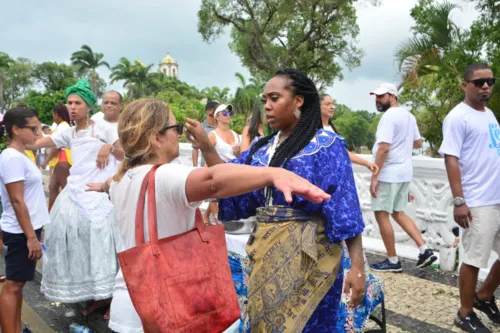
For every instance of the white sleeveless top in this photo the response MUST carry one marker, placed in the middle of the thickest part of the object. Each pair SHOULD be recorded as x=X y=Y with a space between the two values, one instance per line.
x=224 y=149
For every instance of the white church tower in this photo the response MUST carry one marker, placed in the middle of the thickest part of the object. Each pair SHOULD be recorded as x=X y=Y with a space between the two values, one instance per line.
x=169 y=67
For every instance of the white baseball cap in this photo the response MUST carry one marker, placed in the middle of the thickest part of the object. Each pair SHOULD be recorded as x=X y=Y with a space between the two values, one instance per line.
x=385 y=88
x=223 y=107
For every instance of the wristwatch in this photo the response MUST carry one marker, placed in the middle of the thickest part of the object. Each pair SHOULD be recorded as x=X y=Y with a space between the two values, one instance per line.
x=458 y=201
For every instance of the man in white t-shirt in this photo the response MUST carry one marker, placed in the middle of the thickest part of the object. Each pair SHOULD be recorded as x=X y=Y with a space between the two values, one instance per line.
x=471 y=148
x=112 y=105
x=397 y=135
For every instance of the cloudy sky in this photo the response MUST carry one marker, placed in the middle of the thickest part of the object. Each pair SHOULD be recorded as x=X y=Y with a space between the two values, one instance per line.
x=148 y=29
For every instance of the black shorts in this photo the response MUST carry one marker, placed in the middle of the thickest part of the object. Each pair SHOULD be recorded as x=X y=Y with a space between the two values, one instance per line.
x=17 y=265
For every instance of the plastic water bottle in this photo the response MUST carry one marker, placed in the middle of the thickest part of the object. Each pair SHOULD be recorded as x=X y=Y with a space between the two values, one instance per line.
x=75 y=328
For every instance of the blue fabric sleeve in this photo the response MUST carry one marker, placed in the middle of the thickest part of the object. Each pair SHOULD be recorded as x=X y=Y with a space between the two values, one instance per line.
x=342 y=213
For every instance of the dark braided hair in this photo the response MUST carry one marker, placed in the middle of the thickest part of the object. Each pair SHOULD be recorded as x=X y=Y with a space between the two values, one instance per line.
x=62 y=111
x=322 y=97
x=309 y=123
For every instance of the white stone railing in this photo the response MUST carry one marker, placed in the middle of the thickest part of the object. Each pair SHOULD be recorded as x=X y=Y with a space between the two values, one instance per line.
x=430 y=206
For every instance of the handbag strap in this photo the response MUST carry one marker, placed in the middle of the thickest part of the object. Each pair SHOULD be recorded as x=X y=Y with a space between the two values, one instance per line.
x=152 y=222
x=139 y=214
x=149 y=185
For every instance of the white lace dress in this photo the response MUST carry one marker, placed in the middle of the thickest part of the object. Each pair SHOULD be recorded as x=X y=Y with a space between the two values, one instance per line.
x=83 y=239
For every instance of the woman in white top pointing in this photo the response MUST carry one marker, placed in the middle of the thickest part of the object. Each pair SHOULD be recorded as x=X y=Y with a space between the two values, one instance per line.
x=149 y=135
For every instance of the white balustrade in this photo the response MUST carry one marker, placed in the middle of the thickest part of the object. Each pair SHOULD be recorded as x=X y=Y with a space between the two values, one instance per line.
x=430 y=206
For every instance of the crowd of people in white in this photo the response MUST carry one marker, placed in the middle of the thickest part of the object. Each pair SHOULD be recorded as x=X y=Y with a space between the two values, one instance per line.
x=98 y=166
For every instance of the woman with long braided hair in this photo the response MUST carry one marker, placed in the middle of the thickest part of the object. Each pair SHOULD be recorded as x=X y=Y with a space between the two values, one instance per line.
x=295 y=251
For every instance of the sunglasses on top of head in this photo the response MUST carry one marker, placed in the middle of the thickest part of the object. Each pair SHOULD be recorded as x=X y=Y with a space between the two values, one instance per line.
x=179 y=128
x=480 y=82
x=227 y=113
x=33 y=128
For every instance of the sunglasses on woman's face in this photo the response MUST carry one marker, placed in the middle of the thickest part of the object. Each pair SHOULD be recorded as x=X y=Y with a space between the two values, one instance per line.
x=33 y=128
x=179 y=128
x=479 y=83
x=227 y=113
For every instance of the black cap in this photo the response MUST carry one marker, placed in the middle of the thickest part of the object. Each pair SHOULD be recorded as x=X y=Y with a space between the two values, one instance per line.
x=211 y=105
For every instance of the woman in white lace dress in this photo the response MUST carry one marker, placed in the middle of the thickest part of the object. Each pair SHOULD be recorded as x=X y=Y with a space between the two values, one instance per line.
x=82 y=242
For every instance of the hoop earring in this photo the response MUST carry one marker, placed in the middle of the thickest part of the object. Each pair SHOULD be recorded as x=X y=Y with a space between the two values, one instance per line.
x=297 y=113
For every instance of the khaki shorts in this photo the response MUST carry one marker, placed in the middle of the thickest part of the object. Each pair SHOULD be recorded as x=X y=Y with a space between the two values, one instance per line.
x=482 y=236
x=392 y=197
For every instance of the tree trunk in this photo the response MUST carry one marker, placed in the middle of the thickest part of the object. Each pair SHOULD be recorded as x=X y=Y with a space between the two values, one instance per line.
x=94 y=79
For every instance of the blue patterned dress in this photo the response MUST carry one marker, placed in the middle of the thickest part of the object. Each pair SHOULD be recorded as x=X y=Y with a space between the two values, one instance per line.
x=326 y=164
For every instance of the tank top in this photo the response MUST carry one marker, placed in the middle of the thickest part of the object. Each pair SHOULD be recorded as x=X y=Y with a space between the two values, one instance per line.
x=224 y=149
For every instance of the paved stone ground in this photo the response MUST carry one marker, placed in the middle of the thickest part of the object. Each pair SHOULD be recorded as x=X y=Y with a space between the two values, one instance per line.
x=420 y=301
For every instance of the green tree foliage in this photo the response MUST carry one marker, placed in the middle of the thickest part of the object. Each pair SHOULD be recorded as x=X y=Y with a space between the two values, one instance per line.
x=124 y=71
x=311 y=35
x=432 y=63
x=44 y=102
x=88 y=61
x=5 y=62
x=181 y=105
x=357 y=127
x=216 y=93
x=54 y=76
x=136 y=77
x=487 y=29
x=247 y=95
x=18 y=79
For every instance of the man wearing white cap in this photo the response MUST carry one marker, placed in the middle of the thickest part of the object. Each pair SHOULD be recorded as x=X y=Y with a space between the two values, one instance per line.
x=397 y=135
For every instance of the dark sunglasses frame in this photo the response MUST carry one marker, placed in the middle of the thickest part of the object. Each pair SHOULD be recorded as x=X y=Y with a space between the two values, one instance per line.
x=179 y=128
x=480 y=82
x=227 y=113
x=34 y=129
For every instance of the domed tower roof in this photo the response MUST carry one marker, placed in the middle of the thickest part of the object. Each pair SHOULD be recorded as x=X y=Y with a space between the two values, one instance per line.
x=168 y=60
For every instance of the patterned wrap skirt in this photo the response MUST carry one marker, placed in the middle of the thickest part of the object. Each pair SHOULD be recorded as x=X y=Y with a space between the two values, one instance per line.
x=293 y=267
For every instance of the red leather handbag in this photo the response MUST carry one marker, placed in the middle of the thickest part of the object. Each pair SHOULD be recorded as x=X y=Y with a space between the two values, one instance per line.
x=181 y=283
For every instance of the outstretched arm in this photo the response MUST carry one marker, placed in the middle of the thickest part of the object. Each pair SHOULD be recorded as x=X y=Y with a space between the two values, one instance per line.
x=224 y=180
x=45 y=142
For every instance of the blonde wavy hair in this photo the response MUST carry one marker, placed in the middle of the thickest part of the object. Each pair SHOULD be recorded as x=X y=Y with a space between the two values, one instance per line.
x=140 y=120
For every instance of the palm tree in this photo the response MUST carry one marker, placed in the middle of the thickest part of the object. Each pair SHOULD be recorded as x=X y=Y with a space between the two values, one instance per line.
x=135 y=76
x=247 y=94
x=431 y=51
x=87 y=60
x=124 y=71
x=215 y=93
x=142 y=73
x=158 y=81
x=5 y=62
